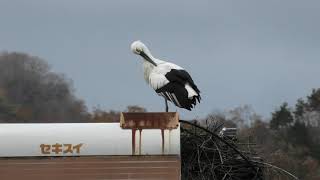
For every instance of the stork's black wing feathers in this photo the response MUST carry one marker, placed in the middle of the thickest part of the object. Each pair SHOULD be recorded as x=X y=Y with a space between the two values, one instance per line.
x=181 y=76
x=175 y=90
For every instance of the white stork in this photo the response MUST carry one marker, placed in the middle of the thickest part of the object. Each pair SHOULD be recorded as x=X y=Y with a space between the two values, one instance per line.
x=168 y=80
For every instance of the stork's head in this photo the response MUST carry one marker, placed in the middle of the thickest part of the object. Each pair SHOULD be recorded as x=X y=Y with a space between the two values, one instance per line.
x=139 y=48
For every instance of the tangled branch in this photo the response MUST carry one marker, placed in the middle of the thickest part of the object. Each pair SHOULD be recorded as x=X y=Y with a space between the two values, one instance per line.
x=215 y=153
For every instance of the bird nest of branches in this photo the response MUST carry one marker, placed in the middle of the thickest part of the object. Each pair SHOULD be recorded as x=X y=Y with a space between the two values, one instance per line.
x=214 y=152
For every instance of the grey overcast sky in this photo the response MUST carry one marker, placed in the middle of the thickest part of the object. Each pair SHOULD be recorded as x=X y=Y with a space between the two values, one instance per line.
x=259 y=53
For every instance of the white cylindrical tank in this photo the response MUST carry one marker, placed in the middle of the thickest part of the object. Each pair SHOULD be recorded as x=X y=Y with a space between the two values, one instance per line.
x=76 y=139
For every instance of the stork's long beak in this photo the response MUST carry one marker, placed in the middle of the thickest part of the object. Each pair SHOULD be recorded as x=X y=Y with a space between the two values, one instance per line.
x=147 y=58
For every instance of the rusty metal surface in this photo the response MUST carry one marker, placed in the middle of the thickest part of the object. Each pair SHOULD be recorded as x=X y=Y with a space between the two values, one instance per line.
x=96 y=167
x=137 y=122
x=150 y=120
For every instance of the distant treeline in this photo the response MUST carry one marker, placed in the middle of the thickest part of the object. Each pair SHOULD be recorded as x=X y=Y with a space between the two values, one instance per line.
x=289 y=140
x=31 y=93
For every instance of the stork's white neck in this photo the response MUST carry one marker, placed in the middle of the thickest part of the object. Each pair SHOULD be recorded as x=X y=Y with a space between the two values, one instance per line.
x=147 y=66
x=148 y=53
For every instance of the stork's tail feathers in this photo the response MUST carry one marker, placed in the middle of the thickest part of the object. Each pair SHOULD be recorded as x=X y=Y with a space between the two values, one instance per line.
x=179 y=95
x=198 y=98
x=194 y=101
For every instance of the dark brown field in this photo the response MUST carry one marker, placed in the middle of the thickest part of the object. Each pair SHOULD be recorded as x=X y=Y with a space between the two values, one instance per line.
x=97 y=167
